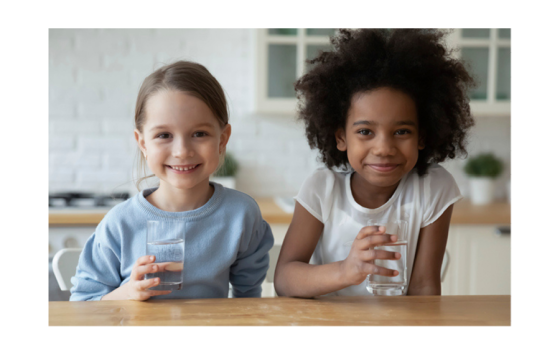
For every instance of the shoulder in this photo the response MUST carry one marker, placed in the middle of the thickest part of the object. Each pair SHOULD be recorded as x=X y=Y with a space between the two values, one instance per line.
x=435 y=175
x=437 y=190
x=438 y=180
x=237 y=201
x=437 y=172
x=122 y=216
x=323 y=179
x=122 y=210
x=323 y=173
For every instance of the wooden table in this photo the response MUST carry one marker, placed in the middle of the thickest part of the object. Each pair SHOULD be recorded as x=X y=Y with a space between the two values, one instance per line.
x=327 y=311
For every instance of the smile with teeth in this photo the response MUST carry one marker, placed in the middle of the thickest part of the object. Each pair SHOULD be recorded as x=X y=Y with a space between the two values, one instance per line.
x=183 y=168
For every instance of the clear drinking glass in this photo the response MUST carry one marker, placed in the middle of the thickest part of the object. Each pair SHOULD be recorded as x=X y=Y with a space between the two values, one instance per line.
x=383 y=285
x=166 y=241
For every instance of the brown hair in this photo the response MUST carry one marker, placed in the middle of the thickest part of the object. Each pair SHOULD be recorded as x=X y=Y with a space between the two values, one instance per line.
x=189 y=77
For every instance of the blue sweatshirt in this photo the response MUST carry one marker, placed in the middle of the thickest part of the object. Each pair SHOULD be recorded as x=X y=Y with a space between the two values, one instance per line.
x=227 y=241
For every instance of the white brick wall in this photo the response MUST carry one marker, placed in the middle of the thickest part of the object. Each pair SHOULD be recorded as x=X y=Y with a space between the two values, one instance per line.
x=94 y=77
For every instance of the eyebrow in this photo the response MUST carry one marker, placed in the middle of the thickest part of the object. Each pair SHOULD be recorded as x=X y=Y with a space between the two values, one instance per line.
x=163 y=127
x=373 y=123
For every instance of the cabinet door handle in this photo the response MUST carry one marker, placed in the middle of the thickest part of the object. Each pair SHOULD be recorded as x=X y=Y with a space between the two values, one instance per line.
x=504 y=231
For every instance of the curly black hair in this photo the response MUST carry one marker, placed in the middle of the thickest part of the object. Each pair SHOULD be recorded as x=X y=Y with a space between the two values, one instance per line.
x=414 y=61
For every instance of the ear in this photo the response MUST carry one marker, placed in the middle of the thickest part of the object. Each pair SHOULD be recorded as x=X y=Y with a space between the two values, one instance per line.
x=340 y=136
x=224 y=137
x=140 y=140
x=421 y=144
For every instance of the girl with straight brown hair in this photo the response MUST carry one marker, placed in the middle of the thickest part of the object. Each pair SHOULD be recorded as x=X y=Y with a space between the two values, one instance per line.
x=182 y=129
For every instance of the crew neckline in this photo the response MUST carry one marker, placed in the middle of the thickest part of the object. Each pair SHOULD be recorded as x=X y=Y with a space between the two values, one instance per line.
x=376 y=210
x=197 y=213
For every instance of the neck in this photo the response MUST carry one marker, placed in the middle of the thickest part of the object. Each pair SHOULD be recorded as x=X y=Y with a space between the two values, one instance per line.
x=171 y=199
x=368 y=195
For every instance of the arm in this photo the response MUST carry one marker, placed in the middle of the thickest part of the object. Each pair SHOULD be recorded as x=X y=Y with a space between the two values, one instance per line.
x=295 y=277
x=249 y=270
x=425 y=279
x=97 y=272
x=98 y=278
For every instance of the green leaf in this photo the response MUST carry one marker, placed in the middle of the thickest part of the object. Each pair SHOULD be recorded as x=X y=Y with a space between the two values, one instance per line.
x=484 y=165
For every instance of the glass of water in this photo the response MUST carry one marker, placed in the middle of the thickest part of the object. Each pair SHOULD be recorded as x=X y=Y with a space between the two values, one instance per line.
x=166 y=241
x=394 y=285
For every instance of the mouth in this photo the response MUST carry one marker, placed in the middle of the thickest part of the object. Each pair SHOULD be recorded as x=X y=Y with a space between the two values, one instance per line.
x=183 y=169
x=383 y=167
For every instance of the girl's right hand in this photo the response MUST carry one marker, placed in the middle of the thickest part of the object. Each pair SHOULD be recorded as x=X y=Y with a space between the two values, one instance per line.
x=137 y=288
x=359 y=263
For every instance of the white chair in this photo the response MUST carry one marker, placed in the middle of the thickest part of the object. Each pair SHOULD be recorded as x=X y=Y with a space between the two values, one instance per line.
x=64 y=266
x=444 y=265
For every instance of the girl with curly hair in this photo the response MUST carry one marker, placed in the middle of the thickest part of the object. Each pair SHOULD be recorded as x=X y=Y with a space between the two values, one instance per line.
x=384 y=107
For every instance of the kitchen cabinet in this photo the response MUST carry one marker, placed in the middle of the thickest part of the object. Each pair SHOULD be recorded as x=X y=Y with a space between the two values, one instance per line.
x=280 y=57
x=281 y=54
x=479 y=261
x=487 y=52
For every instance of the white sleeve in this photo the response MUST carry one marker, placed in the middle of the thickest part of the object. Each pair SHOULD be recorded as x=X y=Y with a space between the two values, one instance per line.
x=440 y=191
x=316 y=194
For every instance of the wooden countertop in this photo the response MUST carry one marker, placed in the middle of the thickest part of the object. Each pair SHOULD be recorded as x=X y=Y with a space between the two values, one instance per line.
x=464 y=212
x=478 y=310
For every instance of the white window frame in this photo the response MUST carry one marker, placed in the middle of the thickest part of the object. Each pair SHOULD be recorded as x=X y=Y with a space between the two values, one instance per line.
x=264 y=104
x=490 y=106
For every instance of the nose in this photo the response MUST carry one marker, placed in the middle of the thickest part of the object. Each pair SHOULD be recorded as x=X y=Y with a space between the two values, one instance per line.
x=383 y=146
x=182 y=149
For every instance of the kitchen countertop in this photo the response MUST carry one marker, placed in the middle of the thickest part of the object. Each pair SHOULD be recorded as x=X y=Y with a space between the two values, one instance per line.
x=472 y=310
x=464 y=212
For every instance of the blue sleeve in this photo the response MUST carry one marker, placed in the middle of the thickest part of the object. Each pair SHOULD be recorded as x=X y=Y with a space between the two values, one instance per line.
x=98 y=268
x=249 y=270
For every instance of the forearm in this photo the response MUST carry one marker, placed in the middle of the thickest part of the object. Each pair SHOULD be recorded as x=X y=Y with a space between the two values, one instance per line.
x=117 y=294
x=426 y=289
x=300 y=279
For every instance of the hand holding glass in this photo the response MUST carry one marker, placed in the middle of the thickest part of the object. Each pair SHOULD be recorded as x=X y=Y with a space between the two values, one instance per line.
x=357 y=266
x=166 y=241
x=387 y=284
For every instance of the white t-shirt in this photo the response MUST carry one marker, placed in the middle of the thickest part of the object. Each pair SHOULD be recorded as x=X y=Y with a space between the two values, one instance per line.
x=417 y=200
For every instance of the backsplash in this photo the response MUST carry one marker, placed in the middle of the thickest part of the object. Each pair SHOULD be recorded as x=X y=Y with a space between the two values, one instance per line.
x=94 y=77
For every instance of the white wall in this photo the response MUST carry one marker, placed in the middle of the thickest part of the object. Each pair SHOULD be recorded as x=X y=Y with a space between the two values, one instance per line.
x=94 y=77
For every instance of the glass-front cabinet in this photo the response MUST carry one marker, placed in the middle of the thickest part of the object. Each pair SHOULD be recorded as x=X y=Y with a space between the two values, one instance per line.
x=487 y=52
x=281 y=55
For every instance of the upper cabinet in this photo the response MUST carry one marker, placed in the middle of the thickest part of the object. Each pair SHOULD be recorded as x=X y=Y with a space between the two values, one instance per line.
x=281 y=55
x=487 y=52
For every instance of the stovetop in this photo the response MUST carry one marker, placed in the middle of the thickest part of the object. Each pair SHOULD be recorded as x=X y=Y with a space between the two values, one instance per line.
x=86 y=200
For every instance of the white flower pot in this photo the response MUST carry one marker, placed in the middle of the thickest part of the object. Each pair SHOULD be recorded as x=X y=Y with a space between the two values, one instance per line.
x=228 y=182
x=482 y=190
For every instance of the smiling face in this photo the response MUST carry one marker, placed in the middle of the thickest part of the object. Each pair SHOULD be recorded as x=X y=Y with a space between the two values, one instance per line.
x=181 y=139
x=381 y=136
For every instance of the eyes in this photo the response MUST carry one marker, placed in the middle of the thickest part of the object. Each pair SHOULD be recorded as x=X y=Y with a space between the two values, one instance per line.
x=165 y=135
x=400 y=132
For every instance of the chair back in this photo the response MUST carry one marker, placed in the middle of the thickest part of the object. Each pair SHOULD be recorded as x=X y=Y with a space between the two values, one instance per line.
x=64 y=266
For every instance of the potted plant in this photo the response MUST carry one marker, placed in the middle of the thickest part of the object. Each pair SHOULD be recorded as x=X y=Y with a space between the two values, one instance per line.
x=225 y=175
x=482 y=171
